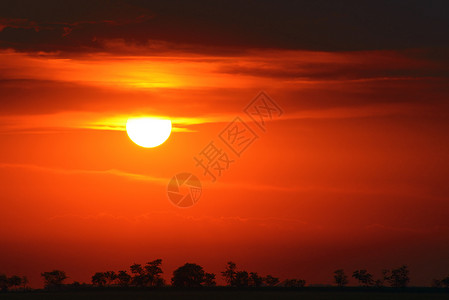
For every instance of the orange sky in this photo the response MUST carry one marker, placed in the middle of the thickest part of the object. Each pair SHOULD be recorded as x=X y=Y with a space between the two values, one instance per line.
x=352 y=175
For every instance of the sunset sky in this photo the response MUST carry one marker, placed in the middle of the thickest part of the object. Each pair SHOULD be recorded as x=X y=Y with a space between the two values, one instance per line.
x=353 y=174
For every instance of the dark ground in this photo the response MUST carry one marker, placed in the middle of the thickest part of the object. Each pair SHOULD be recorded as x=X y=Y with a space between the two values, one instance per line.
x=306 y=294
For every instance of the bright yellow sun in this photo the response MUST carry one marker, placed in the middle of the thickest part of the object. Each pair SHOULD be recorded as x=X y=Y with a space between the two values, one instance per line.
x=148 y=132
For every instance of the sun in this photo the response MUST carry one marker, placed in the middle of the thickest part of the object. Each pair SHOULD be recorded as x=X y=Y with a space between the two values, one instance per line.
x=148 y=132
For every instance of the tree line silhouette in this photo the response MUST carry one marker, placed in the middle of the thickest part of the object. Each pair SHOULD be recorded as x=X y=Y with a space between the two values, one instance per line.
x=192 y=275
x=189 y=275
x=12 y=282
x=397 y=278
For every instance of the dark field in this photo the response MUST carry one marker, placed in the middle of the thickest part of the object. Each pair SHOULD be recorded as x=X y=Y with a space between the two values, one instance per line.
x=235 y=295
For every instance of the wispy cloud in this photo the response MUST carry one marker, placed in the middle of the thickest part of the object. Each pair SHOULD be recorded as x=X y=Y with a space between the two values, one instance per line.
x=113 y=172
x=68 y=121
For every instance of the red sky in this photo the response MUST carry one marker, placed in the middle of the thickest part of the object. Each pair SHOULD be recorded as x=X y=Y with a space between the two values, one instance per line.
x=352 y=175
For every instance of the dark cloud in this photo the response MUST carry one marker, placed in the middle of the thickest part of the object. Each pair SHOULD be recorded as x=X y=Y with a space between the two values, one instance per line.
x=20 y=96
x=31 y=97
x=314 y=25
x=360 y=66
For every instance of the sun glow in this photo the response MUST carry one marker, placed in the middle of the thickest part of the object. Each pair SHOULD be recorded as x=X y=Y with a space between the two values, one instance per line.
x=148 y=132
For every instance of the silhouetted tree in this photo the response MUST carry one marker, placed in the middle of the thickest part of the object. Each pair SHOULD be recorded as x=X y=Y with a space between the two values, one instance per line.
x=244 y=279
x=379 y=283
x=271 y=281
x=398 y=278
x=190 y=275
x=445 y=282
x=229 y=273
x=340 y=278
x=241 y=279
x=136 y=269
x=54 y=279
x=11 y=282
x=76 y=285
x=24 y=282
x=3 y=283
x=138 y=272
x=153 y=273
x=209 y=279
x=110 y=277
x=124 y=279
x=14 y=281
x=294 y=283
x=441 y=283
x=363 y=277
x=255 y=279
x=99 y=279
